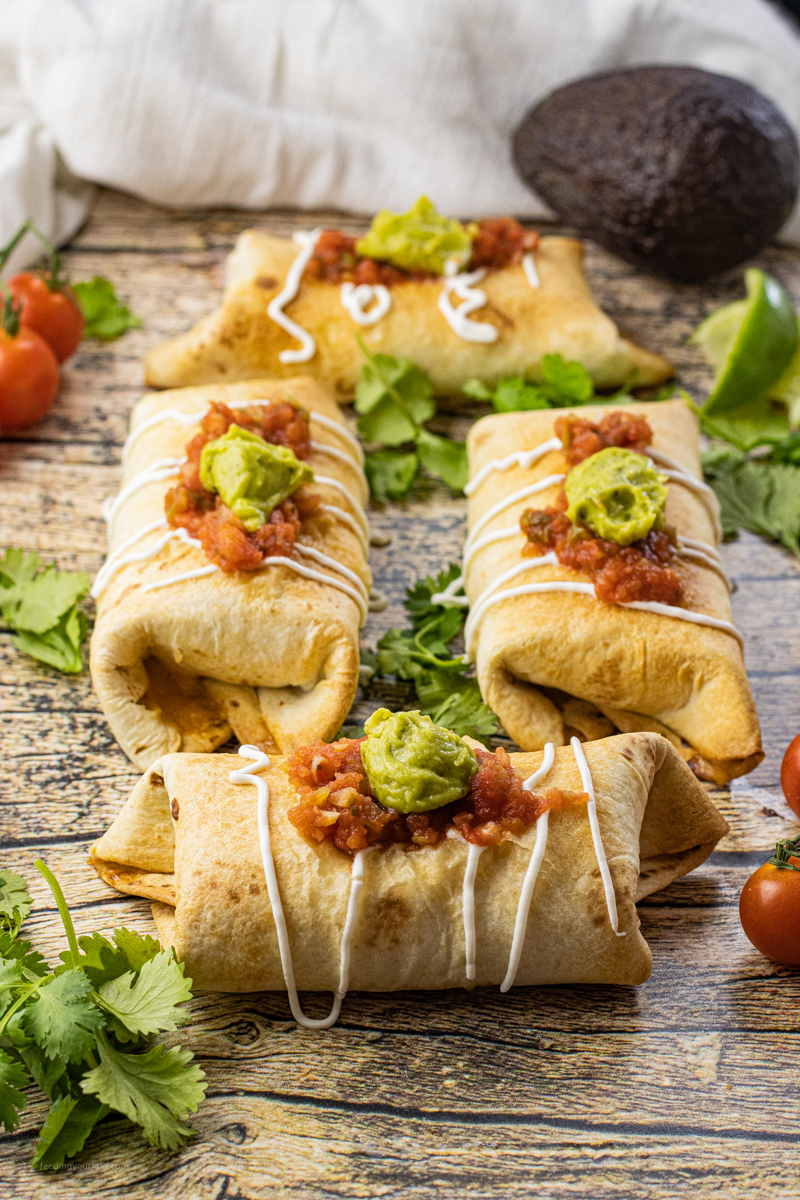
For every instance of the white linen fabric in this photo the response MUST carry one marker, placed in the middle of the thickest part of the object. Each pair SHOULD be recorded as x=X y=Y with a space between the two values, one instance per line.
x=351 y=104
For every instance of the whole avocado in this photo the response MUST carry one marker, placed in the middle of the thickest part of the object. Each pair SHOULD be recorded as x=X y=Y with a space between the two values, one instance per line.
x=680 y=171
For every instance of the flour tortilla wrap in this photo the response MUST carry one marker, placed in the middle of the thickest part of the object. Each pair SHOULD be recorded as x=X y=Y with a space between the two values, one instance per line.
x=270 y=655
x=241 y=340
x=204 y=870
x=641 y=670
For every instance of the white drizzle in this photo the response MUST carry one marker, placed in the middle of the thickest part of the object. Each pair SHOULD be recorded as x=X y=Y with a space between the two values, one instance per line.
x=529 y=267
x=468 y=907
x=522 y=494
x=189 y=419
x=162 y=468
x=249 y=775
x=471 y=298
x=597 y=839
x=349 y=521
x=335 y=452
x=115 y=563
x=308 y=347
x=358 y=299
x=532 y=872
x=520 y=458
x=195 y=573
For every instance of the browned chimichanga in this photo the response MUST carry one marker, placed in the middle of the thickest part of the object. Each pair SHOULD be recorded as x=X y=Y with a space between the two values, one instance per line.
x=553 y=904
x=183 y=653
x=551 y=657
x=524 y=313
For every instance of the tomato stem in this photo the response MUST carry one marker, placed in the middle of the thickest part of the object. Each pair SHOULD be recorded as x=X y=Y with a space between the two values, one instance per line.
x=53 y=277
x=10 y=312
x=785 y=849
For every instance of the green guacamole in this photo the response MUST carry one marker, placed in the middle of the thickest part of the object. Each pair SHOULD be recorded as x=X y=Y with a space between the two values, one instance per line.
x=413 y=765
x=618 y=494
x=251 y=475
x=421 y=239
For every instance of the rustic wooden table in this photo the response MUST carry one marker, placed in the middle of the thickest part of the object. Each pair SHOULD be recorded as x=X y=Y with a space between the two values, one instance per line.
x=686 y=1086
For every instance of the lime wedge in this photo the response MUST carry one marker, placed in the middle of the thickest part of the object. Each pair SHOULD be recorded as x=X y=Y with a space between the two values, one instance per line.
x=750 y=343
x=787 y=389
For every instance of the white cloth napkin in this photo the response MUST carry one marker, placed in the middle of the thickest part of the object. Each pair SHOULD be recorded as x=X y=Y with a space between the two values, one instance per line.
x=351 y=104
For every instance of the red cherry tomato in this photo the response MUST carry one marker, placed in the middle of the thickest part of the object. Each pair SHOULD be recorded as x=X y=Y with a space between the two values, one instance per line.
x=769 y=907
x=790 y=775
x=28 y=378
x=55 y=315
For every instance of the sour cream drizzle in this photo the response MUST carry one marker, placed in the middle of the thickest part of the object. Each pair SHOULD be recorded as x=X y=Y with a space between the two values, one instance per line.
x=249 y=774
x=532 y=873
x=358 y=299
x=597 y=839
x=308 y=347
x=162 y=468
x=472 y=298
x=468 y=907
x=529 y=267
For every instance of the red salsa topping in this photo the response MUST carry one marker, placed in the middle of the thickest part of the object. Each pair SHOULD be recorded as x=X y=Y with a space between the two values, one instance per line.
x=500 y=242
x=581 y=439
x=336 y=803
x=202 y=514
x=641 y=571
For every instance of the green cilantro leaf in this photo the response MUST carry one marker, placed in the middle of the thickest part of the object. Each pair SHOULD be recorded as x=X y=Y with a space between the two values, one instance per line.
x=18 y=568
x=395 y=650
x=462 y=710
x=146 y=1003
x=764 y=498
x=59 y=647
x=106 y=319
x=720 y=458
x=390 y=474
x=103 y=961
x=66 y=1128
x=394 y=398
x=37 y=605
x=13 y=1076
x=62 y=1020
x=568 y=382
x=759 y=424
x=444 y=458
x=50 y=1074
x=787 y=450
x=418 y=602
x=15 y=902
x=17 y=948
x=156 y=1089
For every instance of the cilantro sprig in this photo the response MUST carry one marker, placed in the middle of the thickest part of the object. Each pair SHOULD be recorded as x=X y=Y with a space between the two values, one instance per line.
x=106 y=319
x=564 y=385
x=83 y=1032
x=422 y=654
x=41 y=605
x=394 y=399
x=761 y=493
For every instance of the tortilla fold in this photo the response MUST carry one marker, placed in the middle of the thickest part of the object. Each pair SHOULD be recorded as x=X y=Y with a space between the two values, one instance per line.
x=560 y=316
x=270 y=655
x=641 y=670
x=187 y=821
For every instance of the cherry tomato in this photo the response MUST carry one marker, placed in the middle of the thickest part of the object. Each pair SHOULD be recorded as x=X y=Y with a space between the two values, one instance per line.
x=28 y=378
x=54 y=314
x=790 y=775
x=769 y=906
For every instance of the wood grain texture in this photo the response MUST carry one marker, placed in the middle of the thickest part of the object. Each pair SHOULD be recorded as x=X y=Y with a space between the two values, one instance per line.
x=686 y=1086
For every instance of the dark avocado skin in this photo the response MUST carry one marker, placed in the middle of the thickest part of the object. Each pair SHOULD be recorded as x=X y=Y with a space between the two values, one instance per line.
x=680 y=171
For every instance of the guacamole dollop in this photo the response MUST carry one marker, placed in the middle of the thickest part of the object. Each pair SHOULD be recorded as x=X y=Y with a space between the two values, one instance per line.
x=421 y=239
x=252 y=476
x=413 y=765
x=618 y=494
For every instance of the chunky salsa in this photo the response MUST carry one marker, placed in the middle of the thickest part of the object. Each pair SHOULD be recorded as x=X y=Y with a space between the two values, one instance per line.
x=336 y=803
x=190 y=506
x=643 y=570
x=499 y=242
x=581 y=438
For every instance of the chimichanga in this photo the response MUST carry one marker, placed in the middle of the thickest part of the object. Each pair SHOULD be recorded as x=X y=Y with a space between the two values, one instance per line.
x=184 y=652
x=672 y=663
x=278 y=319
x=249 y=903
